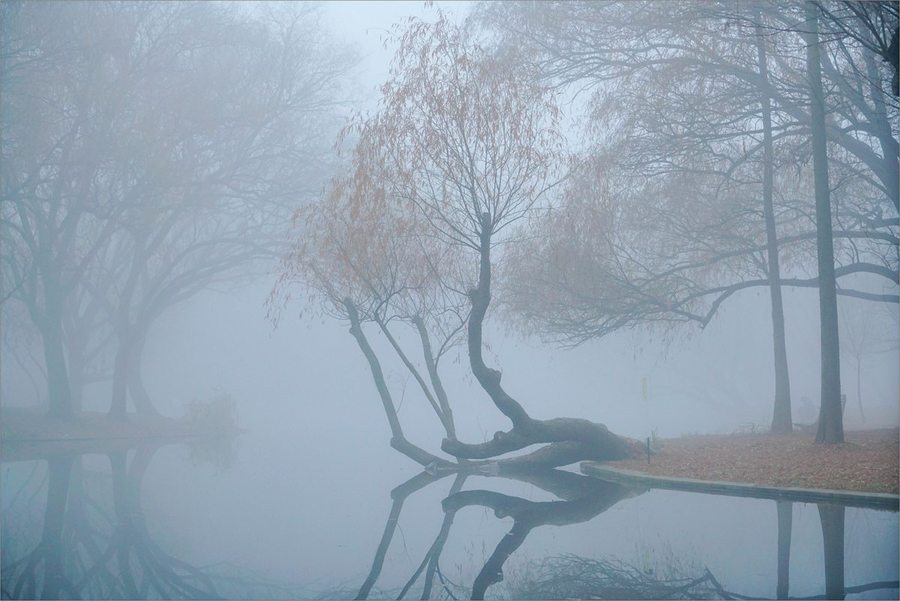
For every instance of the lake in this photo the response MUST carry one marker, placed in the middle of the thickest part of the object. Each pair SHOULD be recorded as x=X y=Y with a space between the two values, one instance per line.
x=272 y=515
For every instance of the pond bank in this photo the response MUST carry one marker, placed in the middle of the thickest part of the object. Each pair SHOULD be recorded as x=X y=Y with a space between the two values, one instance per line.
x=766 y=464
x=29 y=428
x=871 y=500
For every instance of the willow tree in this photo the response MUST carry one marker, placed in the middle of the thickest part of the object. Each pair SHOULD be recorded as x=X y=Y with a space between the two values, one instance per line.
x=463 y=148
x=365 y=262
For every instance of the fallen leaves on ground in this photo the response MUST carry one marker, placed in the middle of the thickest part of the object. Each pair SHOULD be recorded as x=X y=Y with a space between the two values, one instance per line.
x=867 y=460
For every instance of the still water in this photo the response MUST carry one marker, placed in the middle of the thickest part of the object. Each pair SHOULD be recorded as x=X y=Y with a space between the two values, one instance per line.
x=269 y=515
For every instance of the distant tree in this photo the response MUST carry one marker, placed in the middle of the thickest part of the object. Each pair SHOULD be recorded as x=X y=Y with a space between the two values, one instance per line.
x=831 y=426
x=200 y=129
x=56 y=129
x=677 y=87
x=863 y=333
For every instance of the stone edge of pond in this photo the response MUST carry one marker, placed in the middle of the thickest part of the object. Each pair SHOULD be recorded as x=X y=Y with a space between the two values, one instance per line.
x=869 y=500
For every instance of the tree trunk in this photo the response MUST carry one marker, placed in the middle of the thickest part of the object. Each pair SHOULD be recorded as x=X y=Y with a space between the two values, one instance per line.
x=488 y=378
x=58 y=391
x=398 y=440
x=139 y=396
x=831 y=425
x=119 y=402
x=785 y=522
x=75 y=355
x=832 y=519
x=592 y=440
x=781 y=419
x=859 y=387
x=436 y=382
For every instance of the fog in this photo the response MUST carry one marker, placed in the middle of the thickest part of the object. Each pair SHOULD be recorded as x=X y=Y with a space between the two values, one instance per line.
x=228 y=226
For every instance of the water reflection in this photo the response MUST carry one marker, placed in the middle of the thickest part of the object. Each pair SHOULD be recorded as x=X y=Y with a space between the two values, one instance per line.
x=95 y=542
x=83 y=533
x=580 y=499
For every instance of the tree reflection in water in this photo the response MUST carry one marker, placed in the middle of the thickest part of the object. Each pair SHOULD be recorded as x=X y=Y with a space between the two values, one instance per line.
x=580 y=499
x=94 y=542
x=98 y=546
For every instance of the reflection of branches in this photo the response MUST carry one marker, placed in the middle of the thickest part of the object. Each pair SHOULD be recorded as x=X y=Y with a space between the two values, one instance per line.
x=142 y=565
x=595 y=498
x=432 y=557
x=40 y=572
x=574 y=577
x=88 y=549
x=399 y=495
x=583 y=497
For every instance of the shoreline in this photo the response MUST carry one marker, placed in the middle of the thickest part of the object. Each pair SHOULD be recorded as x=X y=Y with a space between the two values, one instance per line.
x=867 y=462
x=869 y=500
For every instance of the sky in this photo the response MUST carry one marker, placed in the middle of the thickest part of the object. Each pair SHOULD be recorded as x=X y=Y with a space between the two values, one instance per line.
x=369 y=25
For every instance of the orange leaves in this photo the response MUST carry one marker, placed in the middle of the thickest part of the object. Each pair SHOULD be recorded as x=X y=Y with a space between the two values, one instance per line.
x=460 y=133
x=463 y=134
x=867 y=462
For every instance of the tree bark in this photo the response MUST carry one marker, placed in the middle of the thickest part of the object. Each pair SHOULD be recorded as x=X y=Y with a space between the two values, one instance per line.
x=436 y=382
x=594 y=440
x=416 y=375
x=831 y=426
x=488 y=378
x=398 y=440
x=781 y=419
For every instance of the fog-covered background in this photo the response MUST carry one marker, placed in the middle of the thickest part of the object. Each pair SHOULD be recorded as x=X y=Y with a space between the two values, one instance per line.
x=196 y=194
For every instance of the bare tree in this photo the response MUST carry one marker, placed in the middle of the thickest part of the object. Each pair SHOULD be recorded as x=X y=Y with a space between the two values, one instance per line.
x=677 y=89
x=831 y=427
x=863 y=334
x=210 y=129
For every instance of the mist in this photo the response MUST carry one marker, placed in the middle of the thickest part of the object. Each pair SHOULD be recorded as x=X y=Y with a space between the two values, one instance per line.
x=347 y=299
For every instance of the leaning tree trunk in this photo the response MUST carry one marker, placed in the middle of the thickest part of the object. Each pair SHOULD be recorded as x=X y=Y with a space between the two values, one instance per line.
x=582 y=439
x=831 y=426
x=398 y=439
x=781 y=420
